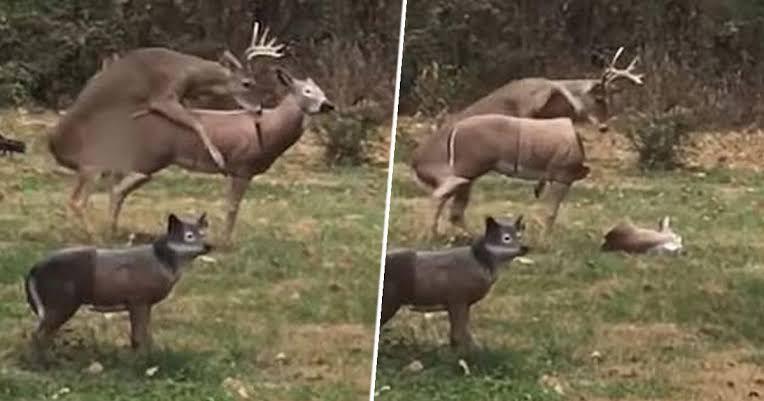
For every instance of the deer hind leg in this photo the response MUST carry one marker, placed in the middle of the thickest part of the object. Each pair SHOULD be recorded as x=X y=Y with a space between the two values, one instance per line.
x=140 y=317
x=238 y=187
x=119 y=192
x=442 y=194
x=459 y=205
x=83 y=188
x=171 y=108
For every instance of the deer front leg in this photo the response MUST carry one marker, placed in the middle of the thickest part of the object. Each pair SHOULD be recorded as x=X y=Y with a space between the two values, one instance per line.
x=459 y=317
x=238 y=187
x=171 y=108
x=120 y=191
x=140 y=317
x=555 y=195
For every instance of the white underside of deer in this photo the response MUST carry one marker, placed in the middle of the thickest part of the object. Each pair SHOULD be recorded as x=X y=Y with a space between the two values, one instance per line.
x=547 y=150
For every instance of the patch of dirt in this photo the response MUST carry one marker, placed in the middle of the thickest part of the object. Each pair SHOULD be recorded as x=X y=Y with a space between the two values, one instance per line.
x=326 y=353
x=724 y=376
x=635 y=339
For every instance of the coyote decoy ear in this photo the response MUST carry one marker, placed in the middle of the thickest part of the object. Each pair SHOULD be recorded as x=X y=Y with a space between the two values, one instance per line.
x=490 y=223
x=173 y=223
x=202 y=222
x=519 y=223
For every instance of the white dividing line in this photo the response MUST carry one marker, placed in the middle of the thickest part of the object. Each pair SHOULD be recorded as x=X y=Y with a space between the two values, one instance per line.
x=387 y=198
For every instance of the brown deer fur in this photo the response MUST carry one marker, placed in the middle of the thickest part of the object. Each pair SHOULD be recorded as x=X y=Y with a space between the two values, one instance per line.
x=529 y=149
x=251 y=141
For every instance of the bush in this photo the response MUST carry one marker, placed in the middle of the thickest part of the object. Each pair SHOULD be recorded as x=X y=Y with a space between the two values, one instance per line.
x=16 y=83
x=346 y=135
x=659 y=138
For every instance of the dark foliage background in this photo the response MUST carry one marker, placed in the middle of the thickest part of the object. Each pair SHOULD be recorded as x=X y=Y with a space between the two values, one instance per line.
x=703 y=55
x=49 y=48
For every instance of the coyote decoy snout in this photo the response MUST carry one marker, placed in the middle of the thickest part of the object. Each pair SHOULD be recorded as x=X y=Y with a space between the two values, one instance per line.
x=112 y=280
x=451 y=279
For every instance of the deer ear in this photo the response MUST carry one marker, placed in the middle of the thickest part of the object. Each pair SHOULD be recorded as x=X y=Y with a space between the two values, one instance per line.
x=284 y=76
x=202 y=222
x=229 y=60
x=554 y=101
x=665 y=223
x=173 y=223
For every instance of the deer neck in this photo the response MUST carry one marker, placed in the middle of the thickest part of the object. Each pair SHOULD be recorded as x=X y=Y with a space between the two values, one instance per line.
x=282 y=126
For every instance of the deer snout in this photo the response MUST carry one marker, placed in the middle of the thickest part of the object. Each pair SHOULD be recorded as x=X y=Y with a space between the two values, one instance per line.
x=327 y=106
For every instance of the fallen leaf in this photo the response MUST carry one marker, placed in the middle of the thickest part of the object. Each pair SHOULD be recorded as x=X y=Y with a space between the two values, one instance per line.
x=150 y=372
x=464 y=366
x=414 y=367
x=94 y=368
x=382 y=390
x=61 y=392
x=208 y=259
x=525 y=261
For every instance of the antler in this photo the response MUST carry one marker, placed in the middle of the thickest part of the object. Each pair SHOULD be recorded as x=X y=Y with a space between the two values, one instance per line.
x=262 y=46
x=612 y=73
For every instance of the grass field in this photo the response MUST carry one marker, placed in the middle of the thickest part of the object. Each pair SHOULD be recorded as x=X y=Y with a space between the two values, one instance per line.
x=286 y=314
x=582 y=325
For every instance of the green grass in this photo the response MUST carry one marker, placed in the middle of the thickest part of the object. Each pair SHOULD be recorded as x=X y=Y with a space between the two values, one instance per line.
x=654 y=319
x=300 y=280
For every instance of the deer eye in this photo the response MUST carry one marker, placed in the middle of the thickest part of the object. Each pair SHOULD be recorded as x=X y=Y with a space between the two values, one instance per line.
x=189 y=236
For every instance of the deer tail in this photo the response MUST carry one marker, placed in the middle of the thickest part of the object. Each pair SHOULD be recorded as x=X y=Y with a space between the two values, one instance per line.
x=33 y=297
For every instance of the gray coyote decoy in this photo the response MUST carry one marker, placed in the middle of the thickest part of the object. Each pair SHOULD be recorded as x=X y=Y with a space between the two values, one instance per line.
x=111 y=280
x=451 y=279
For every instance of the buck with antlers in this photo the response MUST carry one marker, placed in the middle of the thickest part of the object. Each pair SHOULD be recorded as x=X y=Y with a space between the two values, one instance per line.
x=582 y=100
x=536 y=98
x=251 y=139
x=97 y=130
